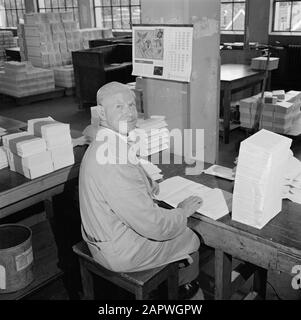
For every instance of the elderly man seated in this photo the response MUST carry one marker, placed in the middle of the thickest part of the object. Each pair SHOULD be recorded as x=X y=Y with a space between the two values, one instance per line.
x=124 y=228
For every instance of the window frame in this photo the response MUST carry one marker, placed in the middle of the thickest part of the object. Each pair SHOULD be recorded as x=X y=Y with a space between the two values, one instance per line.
x=16 y=10
x=111 y=6
x=73 y=8
x=233 y=2
x=272 y=19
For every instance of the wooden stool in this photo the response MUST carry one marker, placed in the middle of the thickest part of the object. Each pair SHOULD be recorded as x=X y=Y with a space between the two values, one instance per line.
x=139 y=283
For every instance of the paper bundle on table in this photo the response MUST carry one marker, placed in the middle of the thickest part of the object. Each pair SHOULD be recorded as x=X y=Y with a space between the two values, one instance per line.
x=152 y=135
x=3 y=158
x=259 y=63
x=57 y=137
x=27 y=154
x=259 y=179
x=24 y=144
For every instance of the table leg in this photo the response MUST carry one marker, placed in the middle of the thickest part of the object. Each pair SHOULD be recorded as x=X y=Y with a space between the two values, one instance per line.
x=260 y=282
x=227 y=108
x=223 y=271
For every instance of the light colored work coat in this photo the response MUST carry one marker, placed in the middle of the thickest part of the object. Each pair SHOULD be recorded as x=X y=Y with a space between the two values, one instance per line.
x=124 y=228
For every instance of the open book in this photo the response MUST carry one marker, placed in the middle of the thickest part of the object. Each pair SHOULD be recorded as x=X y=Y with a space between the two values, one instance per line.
x=176 y=189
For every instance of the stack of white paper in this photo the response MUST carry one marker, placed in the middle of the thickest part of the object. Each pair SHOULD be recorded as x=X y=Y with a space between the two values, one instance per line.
x=58 y=140
x=27 y=154
x=176 y=189
x=153 y=135
x=3 y=158
x=153 y=171
x=259 y=178
x=220 y=171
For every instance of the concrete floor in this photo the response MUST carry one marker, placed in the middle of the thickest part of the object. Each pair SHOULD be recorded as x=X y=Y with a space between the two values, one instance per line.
x=65 y=109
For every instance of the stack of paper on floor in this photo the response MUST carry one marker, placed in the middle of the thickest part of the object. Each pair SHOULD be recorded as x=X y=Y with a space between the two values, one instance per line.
x=153 y=171
x=259 y=178
x=153 y=135
x=3 y=158
x=58 y=139
x=64 y=76
x=176 y=189
x=27 y=154
x=20 y=79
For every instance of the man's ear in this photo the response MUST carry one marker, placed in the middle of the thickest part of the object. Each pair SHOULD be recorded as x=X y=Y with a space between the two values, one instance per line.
x=101 y=113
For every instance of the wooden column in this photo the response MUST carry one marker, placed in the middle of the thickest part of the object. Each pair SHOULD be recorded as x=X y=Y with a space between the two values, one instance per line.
x=85 y=13
x=30 y=6
x=195 y=105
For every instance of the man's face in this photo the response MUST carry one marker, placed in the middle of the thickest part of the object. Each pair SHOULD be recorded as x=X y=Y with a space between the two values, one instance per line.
x=120 y=111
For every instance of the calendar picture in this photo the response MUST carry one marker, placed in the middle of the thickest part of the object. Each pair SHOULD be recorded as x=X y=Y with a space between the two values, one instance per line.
x=163 y=52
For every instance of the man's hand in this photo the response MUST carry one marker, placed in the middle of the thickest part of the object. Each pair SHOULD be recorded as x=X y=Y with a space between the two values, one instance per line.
x=191 y=205
x=155 y=188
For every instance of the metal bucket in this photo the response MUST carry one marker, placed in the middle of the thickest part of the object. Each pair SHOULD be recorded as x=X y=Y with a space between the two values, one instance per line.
x=16 y=257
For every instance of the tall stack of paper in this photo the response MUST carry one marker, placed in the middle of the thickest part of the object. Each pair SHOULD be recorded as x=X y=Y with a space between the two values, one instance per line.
x=27 y=154
x=260 y=173
x=153 y=135
x=6 y=41
x=20 y=79
x=3 y=158
x=64 y=76
x=57 y=137
x=50 y=38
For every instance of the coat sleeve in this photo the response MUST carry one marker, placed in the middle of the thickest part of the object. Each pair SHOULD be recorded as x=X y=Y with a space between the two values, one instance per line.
x=131 y=201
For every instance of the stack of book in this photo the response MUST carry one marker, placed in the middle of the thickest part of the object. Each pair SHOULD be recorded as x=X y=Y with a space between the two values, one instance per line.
x=259 y=179
x=27 y=155
x=57 y=137
x=20 y=79
x=279 y=110
x=3 y=158
x=6 y=41
x=64 y=76
x=153 y=135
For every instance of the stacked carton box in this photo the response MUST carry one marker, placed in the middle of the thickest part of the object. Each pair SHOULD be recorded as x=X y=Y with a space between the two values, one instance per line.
x=6 y=41
x=20 y=79
x=277 y=116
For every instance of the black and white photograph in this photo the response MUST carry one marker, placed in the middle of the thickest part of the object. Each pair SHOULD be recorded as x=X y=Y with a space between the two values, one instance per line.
x=150 y=157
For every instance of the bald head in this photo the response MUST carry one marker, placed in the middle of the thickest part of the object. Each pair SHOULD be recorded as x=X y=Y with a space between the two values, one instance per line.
x=110 y=89
x=117 y=105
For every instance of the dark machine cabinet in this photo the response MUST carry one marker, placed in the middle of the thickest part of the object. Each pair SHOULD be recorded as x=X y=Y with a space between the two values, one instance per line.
x=100 y=65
